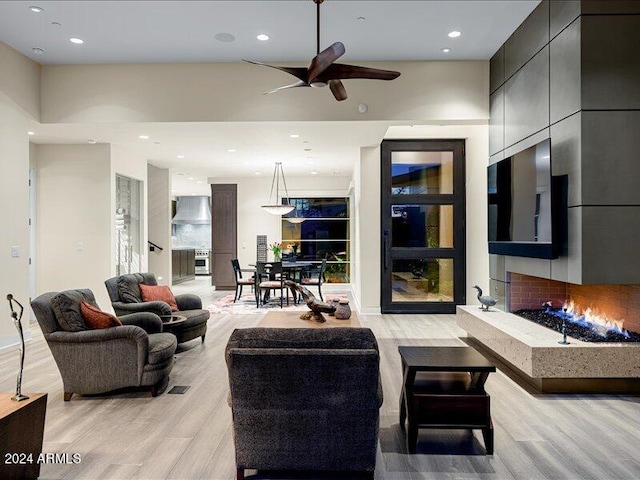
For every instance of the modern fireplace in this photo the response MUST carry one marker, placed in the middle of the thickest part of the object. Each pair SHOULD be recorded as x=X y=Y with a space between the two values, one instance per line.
x=536 y=354
x=600 y=313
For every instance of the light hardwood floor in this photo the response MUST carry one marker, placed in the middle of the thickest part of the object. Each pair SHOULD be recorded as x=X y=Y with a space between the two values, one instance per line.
x=135 y=436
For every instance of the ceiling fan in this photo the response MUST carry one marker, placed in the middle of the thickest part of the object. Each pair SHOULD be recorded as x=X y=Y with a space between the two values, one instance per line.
x=323 y=71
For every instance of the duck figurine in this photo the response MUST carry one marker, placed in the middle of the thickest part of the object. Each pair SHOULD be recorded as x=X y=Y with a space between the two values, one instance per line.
x=485 y=300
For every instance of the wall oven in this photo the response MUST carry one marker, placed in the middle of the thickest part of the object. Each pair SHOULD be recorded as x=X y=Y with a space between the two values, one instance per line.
x=203 y=262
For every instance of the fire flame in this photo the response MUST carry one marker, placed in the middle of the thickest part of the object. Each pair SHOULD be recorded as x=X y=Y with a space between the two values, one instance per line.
x=597 y=320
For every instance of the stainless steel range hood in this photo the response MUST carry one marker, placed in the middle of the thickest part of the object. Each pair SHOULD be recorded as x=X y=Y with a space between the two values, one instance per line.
x=194 y=210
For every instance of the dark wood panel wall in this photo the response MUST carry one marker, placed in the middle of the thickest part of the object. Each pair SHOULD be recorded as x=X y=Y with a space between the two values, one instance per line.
x=224 y=234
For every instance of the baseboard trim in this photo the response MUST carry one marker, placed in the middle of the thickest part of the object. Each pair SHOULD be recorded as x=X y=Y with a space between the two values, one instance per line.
x=7 y=342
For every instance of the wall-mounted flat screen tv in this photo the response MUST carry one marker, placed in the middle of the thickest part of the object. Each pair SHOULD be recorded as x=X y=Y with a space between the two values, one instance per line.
x=522 y=204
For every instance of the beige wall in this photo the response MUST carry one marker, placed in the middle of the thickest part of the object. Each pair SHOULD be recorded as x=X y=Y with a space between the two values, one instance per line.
x=74 y=205
x=367 y=198
x=189 y=92
x=20 y=80
x=159 y=222
x=14 y=197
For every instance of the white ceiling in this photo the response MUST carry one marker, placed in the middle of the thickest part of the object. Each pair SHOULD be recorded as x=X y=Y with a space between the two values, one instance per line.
x=184 y=31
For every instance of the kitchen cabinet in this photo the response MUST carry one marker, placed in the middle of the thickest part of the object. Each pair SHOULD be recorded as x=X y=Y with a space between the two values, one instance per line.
x=183 y=265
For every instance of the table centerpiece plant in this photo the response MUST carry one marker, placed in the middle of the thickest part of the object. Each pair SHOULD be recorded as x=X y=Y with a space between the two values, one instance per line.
x=276 y=249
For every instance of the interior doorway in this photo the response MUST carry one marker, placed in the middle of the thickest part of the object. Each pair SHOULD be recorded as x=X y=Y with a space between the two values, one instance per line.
x=128 y=219
x=423 y=226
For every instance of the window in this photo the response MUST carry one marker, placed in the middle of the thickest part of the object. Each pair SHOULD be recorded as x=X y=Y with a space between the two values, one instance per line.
x=323 y=234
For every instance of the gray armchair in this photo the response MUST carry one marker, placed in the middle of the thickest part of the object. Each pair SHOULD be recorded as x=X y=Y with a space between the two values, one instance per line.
x=135 y=354
x=124 y=292
x=304 y=398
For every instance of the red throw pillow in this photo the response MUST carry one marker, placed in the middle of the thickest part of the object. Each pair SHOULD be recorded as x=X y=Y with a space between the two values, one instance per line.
x=151 y=293
x=96 y=318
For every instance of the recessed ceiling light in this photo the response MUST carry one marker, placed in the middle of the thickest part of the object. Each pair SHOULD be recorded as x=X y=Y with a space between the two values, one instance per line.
x=232 y=150
x=294 y=135
x=224 y=37
x=181 y=174
x=363 y=108
x=361 y=19
x=190 y=178
x=56 y=24
x=305 y=141
x=76 y=40
x=36 y=9
x=193 y=194
x=307 y=149
x=263 y=37
x=179 y=156
x=314 y=173
x=144 y=137
x=454 y=34
x=91 y=142
x=31 y=133
x=446 y=50
x=199 y=181
x=257 y=173
x=37 y=50
x=156 y=143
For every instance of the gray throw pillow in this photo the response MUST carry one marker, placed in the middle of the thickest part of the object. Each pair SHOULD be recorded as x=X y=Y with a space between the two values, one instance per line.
x=128 y=288
x=66 y=308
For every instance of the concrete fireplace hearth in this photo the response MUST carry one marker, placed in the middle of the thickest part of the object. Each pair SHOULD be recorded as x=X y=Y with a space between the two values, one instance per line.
x=533 y=354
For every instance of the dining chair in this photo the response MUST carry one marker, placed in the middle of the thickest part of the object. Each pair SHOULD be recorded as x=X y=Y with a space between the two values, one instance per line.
x=315 y=277
x=270 y=276
x=240 y=281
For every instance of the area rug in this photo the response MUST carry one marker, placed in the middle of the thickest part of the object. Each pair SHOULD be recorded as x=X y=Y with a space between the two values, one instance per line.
x=246 y=305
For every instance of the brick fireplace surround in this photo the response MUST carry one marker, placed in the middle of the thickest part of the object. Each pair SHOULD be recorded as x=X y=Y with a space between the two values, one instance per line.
x=620 y=302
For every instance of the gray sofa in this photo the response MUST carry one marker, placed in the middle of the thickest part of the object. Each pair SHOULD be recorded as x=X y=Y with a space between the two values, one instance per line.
x=126 y=298
x=304 y=398
x=135 y=354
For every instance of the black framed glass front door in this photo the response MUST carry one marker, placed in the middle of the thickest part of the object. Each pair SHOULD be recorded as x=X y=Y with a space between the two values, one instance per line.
x=423 y=229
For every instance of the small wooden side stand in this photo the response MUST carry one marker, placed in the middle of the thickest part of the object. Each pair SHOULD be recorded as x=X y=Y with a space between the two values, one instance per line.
x=21 y=434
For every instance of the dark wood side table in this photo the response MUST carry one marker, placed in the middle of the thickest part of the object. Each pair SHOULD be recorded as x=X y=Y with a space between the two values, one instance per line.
x=443 y=387
x=21 y=434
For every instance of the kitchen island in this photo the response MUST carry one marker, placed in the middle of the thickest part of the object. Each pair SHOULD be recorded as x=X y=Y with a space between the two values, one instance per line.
x=183 y=264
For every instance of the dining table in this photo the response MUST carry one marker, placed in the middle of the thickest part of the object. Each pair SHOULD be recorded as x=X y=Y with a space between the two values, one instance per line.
x=293 y=271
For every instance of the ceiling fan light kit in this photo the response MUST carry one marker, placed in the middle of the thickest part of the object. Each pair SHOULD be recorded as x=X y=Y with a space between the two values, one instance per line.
x=323 y=71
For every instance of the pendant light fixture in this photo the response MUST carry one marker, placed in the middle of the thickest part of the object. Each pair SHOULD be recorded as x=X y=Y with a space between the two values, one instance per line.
x=278 y=208
x=295 y=218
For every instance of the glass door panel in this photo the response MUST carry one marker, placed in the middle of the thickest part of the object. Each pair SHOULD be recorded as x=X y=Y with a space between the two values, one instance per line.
x=422 y=280
x=420 y=173
x=426 y=226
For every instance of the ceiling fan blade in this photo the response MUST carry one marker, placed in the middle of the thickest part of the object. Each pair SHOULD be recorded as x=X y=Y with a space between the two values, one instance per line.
x=298 y=72
x=338 y=90
x=323 y=60
x=299 y=83
x=341 y=71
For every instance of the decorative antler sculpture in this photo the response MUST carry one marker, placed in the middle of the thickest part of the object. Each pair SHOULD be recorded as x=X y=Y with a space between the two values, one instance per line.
x=17 y=319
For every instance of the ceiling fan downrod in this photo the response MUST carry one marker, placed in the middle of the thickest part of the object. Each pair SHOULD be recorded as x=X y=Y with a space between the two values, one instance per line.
x=318 y=2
